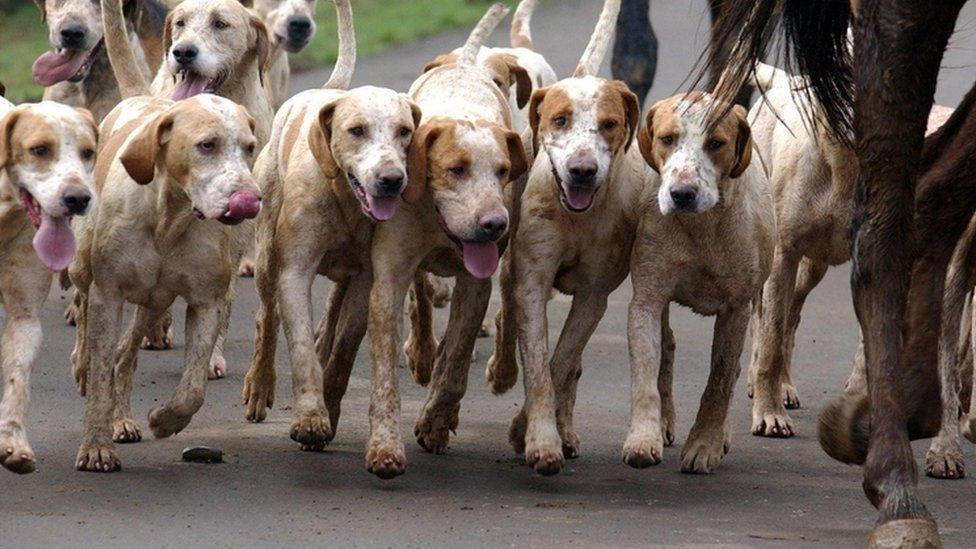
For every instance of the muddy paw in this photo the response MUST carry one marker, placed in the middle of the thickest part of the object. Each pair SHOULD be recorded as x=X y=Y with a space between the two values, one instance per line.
x=702 y=455
x=159 y=339
x=547 y=458
x=434 y=427
x=15 y=453
x=771 y=420
x=218 y=366
x=163 y=422
x=258 y=396
x=643 y=451
x=385 y=461
x=311 y=430
x=516 y=432
x=70 y=314
x=125 y=431
x=571 y=445
x=420 y=359
x=791 y=398
x=501 y=374
x=945 y=461
x=246 y=268
x=98 y=458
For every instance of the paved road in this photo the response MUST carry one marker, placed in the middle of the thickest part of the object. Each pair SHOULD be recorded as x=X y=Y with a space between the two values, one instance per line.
x=268 y=493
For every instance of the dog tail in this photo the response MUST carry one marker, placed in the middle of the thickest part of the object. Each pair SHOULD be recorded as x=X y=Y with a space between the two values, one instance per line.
x=124 y=64
x=520 y=36
x=490 y=20
x=341 y=77
x=600 y=40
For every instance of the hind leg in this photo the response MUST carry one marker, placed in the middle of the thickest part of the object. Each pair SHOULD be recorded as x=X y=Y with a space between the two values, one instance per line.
x=124 y=428
x=352 y=321
x=421 y=346
x=808 y=276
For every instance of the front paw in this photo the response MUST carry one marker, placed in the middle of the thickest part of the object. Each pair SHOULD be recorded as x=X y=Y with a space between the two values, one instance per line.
x=791 y=398
x=702 y=454
x=80 y=373
x=126 y=430
x=433 y=429
x=643 y=450
x=258 y=395
x=501 y=373
x=386 y=460
x=218 y=366
x=544 y=451
x=944 y=460
x=246 y=268
x=311 y=430
x=770 y=419
x=15 y=453
x=164 y=422
x=98 y=457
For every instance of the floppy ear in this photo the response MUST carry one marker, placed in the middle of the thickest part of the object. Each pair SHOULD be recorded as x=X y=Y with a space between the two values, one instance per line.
x=520 y=78
x=421 y=142
x=743 y=142
x=320 y=141
x=645 y=139
x=440 y=60
x=262 y=46
x=516 y=155
x=538 y=96
x=140 y=154
x=631 y=105
x=7 y=124
x=414 y=111
x=168 y=34
x=249 y=4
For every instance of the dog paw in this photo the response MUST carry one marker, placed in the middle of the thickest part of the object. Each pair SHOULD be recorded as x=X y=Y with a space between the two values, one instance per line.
x=246 y=268
x=791 y=398
x=484 y=331
x=125 y=431
x=218 y=366
x=434 y=427
x=70 y=314
x=642 y=451
x=545 y=456
x=668 y=421
x=516 y=432
x=15 y=453
x=258 y=396
x=420 y=359
x=311 y=430
x=98 y=458
x=164 y=422
x=501 y=373
x=386 y=460
x=571 y=444
x=770 y=419
x=80 y=373
x=703 y=454
x=160 y=338
x=945 y=460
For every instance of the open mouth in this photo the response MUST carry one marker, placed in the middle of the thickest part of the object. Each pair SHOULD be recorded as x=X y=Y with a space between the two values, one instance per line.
x=190 y=83
x=54 y=242
x=379 y=208
x=575 y=198
x=240 y=206
x=64 y=64
x=480 y=258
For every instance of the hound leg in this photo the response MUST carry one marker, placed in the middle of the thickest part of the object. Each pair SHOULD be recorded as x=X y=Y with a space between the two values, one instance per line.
x=421 y=346
x=350 y=331
x=809 y=275
x=501 y=372
x=124 y=428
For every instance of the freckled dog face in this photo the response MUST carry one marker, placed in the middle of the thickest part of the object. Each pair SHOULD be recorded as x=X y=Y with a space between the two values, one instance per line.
x=291 y=23
x=581 y=124
x=694 y=159
x=207 y=146
x=75 y=32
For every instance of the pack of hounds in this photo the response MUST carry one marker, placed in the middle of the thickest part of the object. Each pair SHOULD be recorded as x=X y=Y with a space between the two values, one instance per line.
x=165 y=160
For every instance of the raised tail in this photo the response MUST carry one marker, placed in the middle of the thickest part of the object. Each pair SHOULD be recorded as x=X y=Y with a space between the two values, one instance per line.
x=520 y=36
x=341 y=77
x=490 y=20
x=120 y=55
x=596 y=50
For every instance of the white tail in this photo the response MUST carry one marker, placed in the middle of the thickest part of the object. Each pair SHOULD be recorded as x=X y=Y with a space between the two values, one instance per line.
x=520 y=36
x=341 y=77
x=490 y=20
x=123 y=61
x=600 y=40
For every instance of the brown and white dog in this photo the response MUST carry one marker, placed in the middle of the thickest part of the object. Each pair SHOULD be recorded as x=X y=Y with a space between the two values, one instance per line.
x=47 y=154
x=291 y=26
x=462 y=157
x=705 y=241
x=172 y=179
x=578 y=220
x=76 y=71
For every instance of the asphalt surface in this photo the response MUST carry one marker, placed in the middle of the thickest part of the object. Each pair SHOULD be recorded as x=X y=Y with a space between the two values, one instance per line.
x=767 y=492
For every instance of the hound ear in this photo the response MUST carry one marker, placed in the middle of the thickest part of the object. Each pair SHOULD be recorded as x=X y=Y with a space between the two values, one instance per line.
x=516 y=155
x=415 y=111
x=645 y=139
x=141 y=153
x=523 y=84
x=168 y=34
x=440 y=60
x=632 y=106
x=743 y=142
x=421 y=142
x=262 y=45
x=7 y=124
x=538 y=96
x=320 y=141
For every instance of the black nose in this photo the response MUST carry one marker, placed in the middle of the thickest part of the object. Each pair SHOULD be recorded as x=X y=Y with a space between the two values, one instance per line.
x=493 y=226
x=73 y=37
x=582 y=172
x=299 y=27
x=77 y=203
x=684 y=197
x=185 y=54
x=390 y=181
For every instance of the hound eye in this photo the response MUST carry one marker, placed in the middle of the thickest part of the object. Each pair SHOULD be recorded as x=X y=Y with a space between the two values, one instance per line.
x=220 y=25
x=559 y=121
x=180 y=23
x=502 y=173
x=87 y=154
x=249 y=149
x=668 y=140
x=358 y=131
x=404 y=132
x=40 y=151
x=207 y=146
x=714 y=144
x=498 y=83
x=457 y=170
x=608 y=125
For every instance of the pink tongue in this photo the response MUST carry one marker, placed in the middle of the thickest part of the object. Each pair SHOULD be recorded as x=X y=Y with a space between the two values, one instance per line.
x=243 y=205
x=192 y=84
x=579 y=198
x=51 y=68
x=54 y=242
x=381 y=208
x=480 y=258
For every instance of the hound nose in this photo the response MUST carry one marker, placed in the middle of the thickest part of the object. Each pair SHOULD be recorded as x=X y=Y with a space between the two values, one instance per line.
x=73 y=37
x=299 y=27
x=76 y=203
x=684 y=197
x=185 y=55
x=582 y=172
x=493 y=226
x=390 y=181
